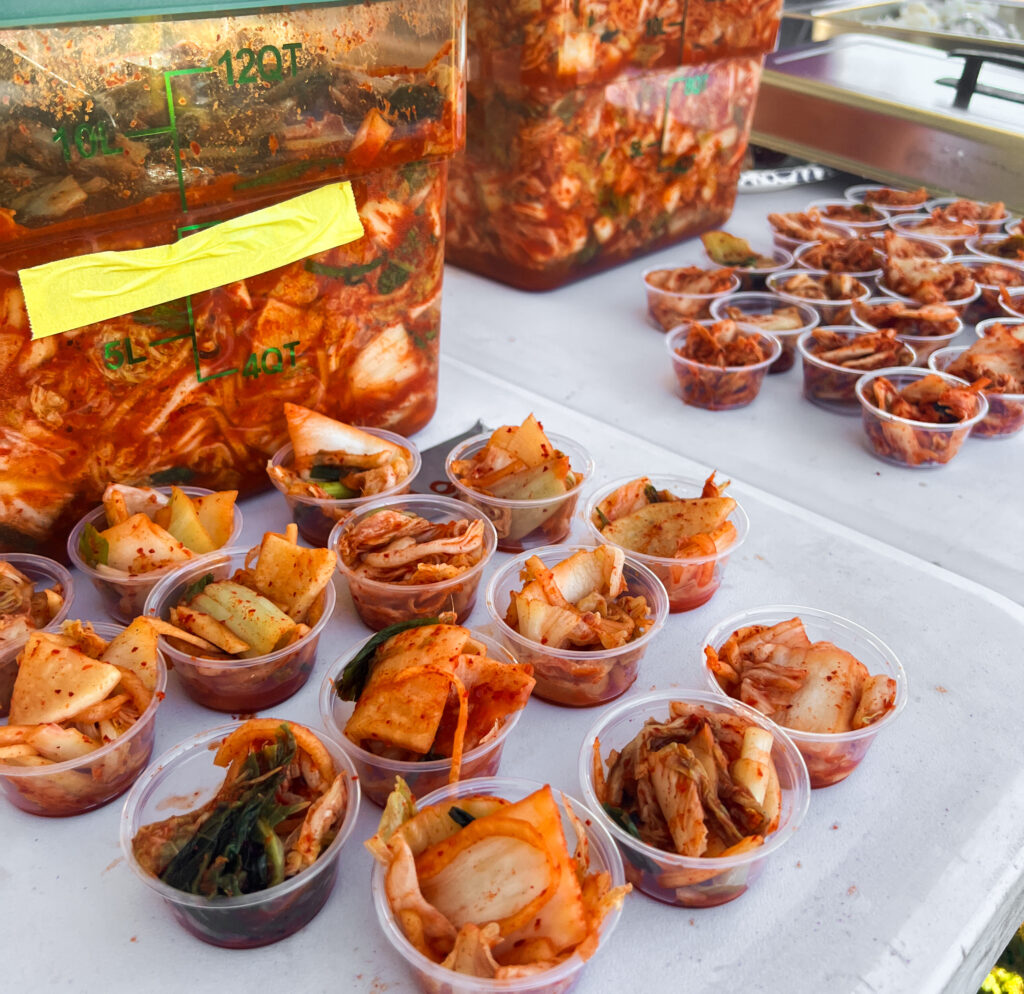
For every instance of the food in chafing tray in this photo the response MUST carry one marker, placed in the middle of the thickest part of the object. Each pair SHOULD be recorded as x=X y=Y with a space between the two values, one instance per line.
x=930 y=282
x=519 y=463
x=685 y=293
x=147 y=533
x=698 y=783
x=488 y=888
x=641 y=518
x=81 y=719
x=812 y=687
x=842 y=255
x=915 y=320
x=400 y=565
x=923 y=423
x=428 y=690
x=840 y=356
x=730 y=250
x=886 y=196
x=279 y=807
x=23 y=608
x=242 y=629
x=805 y=226
x=998 y=359
x=332 y=466
x=720 y=367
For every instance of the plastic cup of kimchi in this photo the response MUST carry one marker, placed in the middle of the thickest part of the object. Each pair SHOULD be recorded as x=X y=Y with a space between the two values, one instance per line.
x=666 y=308
x=431 y=977
x=905 y=442
x=44 y=573
x=316 y=516
x=960 y=305
x=993 y=224
x=923 y=345
x=239 y=685
x=859 y=191
x=577 y=678
x=758 y=304
x=1015 y=307
x=720 y=388
x=792 y=244
x=185 y=778
x=377 y=773
x=753 y=277
x=690 y=582
x=831 y=311
x=800 y=257
x=830 y=756
x=525 y=524
x=79 y=785
x=379 y=603
x=1005 y=416
x=979 y=245
x=124 y=594
x=829 y=385
x=691 y=881
x=988 y=304
x=868 y=217
x=910 y=226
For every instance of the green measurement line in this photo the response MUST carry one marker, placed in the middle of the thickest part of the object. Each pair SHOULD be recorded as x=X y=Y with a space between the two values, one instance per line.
x=171 y=338
x=172 y=123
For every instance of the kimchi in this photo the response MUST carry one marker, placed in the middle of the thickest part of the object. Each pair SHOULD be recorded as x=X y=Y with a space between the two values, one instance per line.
x=555 y=186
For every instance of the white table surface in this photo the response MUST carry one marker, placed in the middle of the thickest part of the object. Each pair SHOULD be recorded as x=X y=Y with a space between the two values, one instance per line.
x=907 y=877
x=588 y=345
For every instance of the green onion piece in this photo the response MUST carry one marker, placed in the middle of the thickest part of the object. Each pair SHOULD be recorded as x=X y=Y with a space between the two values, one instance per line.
x=93 y=547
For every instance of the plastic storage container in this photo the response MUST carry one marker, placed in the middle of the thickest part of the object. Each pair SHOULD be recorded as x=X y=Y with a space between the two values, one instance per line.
x=554 y=186
x=127 y=134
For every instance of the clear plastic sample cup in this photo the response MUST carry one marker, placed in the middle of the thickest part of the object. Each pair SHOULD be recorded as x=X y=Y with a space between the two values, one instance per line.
x=124 y=594
x=241 y=685
x=379 y=603
x=576 y=677
x=184 y=778
x=316 y=516
x=377 y=773
x=96 y=778
x=830 y=757
x=692 y=881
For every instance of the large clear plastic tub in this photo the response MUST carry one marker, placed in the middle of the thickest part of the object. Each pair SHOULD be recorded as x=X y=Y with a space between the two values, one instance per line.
x=554 y=187
x=124 y=134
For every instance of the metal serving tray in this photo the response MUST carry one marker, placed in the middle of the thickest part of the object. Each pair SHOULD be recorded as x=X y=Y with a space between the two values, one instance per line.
x=833 y=103
x=836 y=19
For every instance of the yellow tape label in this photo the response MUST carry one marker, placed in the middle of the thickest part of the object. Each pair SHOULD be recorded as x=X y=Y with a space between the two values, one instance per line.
x=72 y=293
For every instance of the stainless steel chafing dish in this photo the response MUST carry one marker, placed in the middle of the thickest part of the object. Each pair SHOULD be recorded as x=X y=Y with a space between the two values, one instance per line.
x=887 y=109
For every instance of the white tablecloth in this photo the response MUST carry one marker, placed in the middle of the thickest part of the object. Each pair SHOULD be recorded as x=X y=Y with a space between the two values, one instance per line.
x=907 y=877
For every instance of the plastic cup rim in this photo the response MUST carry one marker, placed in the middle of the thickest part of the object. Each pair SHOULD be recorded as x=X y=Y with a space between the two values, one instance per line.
x=721 y=631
